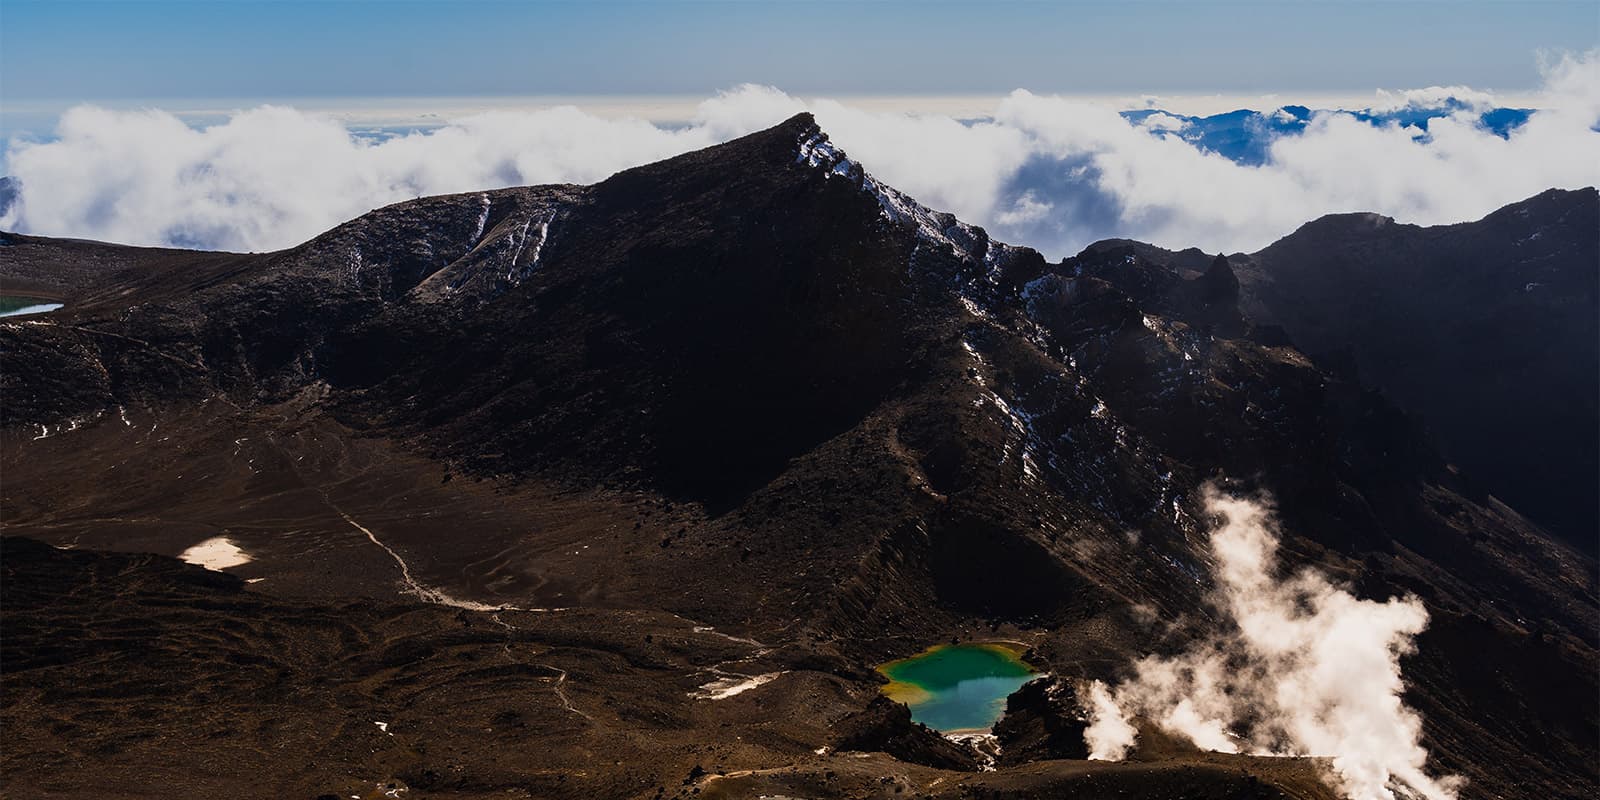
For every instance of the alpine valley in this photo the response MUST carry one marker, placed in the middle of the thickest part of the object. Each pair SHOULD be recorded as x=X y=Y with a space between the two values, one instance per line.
x=624 y=491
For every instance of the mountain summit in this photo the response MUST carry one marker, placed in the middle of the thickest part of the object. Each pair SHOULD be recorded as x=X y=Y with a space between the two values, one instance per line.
x=1485 y=330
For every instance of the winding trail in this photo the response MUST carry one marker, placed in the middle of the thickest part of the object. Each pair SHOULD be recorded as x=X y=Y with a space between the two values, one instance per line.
x=429 y=594
x=725 y=682
x=561 y=674
x=728 y=683
x=423 y=592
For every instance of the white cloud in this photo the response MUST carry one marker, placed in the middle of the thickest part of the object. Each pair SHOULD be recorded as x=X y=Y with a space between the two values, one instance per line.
x=271 y=177
x=1433 y=97
x=1050 y=172
x=1299 y=666
x=1025 y=210
x=1162 y=121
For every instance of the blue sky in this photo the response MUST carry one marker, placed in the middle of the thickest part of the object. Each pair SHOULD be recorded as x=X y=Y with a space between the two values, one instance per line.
x=135 y=49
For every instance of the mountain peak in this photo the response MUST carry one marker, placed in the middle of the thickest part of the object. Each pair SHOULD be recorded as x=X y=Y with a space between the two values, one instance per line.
x=799 y=122
x=1219 y=280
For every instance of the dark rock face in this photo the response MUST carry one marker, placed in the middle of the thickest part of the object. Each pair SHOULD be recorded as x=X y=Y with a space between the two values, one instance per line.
x=747 y=413
x=885 y=726
x=1043 y=721
x=1488 y=331
x=1207 y=299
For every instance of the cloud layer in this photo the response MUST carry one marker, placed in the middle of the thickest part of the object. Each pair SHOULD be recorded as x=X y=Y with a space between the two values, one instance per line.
x=1300 y=667
x=1043 y=171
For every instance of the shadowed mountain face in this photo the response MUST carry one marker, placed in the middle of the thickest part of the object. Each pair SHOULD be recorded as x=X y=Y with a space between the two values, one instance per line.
x=1489 y=332
x=683 y=455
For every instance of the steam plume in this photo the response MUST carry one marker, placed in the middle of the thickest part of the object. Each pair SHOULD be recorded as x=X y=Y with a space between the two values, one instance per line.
x=1303 y=668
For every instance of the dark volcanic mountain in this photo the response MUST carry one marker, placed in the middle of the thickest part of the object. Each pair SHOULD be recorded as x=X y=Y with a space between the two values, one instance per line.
x=1487 y=331
x=621 y=490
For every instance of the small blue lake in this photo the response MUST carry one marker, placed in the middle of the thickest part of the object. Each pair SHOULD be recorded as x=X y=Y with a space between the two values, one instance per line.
x=958 y=688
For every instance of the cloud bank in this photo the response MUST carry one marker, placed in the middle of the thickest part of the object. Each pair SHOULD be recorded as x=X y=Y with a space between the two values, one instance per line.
x=1302 y=668
x=1049 y=172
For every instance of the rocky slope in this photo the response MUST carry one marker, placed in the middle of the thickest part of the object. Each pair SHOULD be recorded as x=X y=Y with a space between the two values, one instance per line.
x=1486 y=331
x=750 y=419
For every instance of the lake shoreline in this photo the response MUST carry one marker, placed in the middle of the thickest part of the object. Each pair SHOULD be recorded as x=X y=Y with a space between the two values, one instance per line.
x=959 y=689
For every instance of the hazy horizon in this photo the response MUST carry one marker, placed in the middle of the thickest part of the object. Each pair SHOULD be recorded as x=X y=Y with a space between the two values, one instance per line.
x=37 y=118
x=1006 y=114
x=1052 y=172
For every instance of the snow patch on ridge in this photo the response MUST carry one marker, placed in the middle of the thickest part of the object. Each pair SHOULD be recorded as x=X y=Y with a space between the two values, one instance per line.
x=932 y=227
x=498 y=257
x=483 y=218
x=516 y=274
x=70 y=425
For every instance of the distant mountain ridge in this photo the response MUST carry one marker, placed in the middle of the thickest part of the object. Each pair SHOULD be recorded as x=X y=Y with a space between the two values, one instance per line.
x=1489 y=330
x=1246 y=136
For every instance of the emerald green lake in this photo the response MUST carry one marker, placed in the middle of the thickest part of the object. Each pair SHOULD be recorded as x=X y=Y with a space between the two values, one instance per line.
x=11 y=304
x=958 y=688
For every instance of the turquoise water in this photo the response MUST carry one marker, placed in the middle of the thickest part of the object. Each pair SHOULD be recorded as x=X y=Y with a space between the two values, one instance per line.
x=12 y=304
x=957 y=687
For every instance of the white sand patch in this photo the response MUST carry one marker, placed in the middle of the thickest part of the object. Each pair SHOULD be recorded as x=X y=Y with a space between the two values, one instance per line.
x=218 y=554
x=724 y=688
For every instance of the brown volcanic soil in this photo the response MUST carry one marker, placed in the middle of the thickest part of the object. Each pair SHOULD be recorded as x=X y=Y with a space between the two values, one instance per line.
x=75 y=271
x=140 y=676
x=717 y=413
